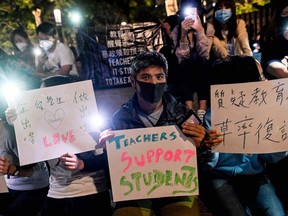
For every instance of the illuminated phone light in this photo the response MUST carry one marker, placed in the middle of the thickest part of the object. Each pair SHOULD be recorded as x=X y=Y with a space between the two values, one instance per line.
x=11 y=91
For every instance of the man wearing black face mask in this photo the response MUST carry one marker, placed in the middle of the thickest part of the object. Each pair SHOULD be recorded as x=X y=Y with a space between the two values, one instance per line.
x=150 y=106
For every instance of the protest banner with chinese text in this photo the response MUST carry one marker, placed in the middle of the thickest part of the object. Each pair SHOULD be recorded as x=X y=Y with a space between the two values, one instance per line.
x=54 y=120
x=106 y=60
x=251 y=116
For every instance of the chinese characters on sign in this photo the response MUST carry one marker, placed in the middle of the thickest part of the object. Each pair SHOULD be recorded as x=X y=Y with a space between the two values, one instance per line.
x=152 y=162
x=54 y=120
x=106 y=61
x=252 y=116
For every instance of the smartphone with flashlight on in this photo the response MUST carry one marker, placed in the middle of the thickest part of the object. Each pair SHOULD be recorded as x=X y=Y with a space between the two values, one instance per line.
x=191 y=13
x=190 y=117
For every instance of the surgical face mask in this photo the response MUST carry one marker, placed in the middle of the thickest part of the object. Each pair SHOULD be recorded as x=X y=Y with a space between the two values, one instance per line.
x=46 y=44
x=223 y=15
x=21 y=46
x=151 y=92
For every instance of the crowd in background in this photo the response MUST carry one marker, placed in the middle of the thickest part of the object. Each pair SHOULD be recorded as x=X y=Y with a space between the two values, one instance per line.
x=195 y=55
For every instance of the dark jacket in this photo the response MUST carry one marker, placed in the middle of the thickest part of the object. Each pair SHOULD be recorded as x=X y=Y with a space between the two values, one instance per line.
x=127 y=117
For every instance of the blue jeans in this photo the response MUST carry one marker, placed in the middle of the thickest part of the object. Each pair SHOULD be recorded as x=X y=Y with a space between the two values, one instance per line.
x=239 y=195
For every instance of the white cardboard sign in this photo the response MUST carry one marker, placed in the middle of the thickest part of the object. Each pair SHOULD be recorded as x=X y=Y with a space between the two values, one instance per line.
x=251 y=116
x=54 y=120
x=152 y=162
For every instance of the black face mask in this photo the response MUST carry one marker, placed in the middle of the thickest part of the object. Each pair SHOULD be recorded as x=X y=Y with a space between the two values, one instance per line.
x=150 y=92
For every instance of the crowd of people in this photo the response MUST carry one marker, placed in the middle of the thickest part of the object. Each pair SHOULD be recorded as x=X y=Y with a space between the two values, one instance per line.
x=196 y=55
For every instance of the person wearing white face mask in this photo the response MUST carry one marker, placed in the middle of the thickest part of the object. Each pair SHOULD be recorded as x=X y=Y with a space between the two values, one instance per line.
x=231 y=37
x=23 y=47
x=57 y=58
x=22 y=62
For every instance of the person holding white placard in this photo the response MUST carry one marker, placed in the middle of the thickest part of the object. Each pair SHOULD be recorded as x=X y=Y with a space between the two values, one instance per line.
x=238 y=184
x=79 y=183
x=28 y=185
x=151 y=107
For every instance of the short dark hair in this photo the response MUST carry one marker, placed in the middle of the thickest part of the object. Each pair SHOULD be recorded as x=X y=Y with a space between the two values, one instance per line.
x=46 y=28
x=147 y=59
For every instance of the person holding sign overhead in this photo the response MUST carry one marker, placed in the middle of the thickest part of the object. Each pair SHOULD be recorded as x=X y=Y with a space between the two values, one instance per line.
x=151 y=107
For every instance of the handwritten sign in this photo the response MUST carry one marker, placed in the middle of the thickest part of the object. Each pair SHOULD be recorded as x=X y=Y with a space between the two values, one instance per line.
x=252 y=116
x=54 y=120
x=152 y=162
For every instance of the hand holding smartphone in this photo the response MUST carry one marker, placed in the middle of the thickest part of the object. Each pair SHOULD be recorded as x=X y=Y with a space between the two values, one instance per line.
x=192 y=15
x=190 y=117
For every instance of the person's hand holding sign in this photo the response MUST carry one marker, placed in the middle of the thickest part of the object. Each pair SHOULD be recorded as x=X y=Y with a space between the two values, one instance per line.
x=4 y=165
x=195 y=131
x=11 y=115
x=103 y=137
x=198 y=133
x=212 y=138
x=71 y=162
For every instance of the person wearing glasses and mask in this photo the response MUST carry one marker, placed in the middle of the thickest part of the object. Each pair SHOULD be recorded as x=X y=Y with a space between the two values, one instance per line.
x=56 y=58
x=150 y=106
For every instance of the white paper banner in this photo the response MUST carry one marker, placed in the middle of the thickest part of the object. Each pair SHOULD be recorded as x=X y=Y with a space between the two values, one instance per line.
x=252 y=116
x=55 y=120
